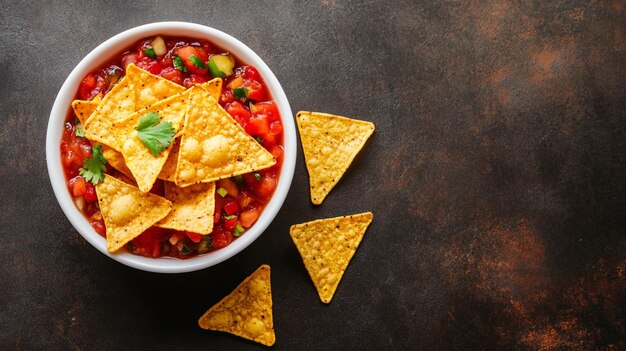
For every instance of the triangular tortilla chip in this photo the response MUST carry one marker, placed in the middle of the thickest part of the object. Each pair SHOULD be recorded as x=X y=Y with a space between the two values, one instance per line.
x=83 y=109
x=247 y=311
x=213 y=87
x=326 y=247
x=116 y=160
x=330 y=144
x=144 y=166
x=150 y=88
x=192 y=208
x=116 y=104
x=168 y=172
x=214 y=146
x=127 y=212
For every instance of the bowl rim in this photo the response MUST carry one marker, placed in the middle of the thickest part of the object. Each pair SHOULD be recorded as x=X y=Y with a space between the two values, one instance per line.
x=105 y=51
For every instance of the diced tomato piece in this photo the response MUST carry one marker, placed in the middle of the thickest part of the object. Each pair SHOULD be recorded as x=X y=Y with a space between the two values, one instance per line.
x=231 y=207
x=259 y=125
x=217 y=216
x=220 y=238
x=87 y=85
x=90 y=193
x=150 y=65
x=194 y=79
x=268 y=109
x=186 y=52
x=78 y=186
x=226 y=97
x=99 y=227
x=127 y=60
x=277 y=151
x=151 y=241
x=230 y=224
x=172 y=74
x=195 y=237
x=267 y=186
x=238 y=111
x=247 y=218
x=251 y=73
x=244 y=200
x=276 y=127
x=229 y=185
x=255 y=90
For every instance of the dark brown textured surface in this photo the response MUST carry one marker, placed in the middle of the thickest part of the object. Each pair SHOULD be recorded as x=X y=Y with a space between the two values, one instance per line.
x=496 y=177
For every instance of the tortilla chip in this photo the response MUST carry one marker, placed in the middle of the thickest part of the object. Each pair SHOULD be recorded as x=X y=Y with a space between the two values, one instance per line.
x=192 y=208
x=144 y=166
x=83 y=109
x=116 y=105
x=116 y=160
x=330 y=144
x=150 y=88
x=247 y=311
x=213 y=87
x=127 y=212
x=326 y=247
x=168 y=172
x=214 y=146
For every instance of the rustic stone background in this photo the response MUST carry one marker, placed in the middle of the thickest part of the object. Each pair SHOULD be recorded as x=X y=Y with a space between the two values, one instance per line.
x=496 y=177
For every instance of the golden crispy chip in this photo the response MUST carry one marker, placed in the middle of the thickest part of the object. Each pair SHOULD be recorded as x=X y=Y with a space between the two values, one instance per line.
x=127 y=212
x=168 y=172
x=116 y=105
x=214 y=146
x=214 y=87
x=144 y=166
x=150 y=88
x=116 y=160
x=247 y=311
x=330 y=144
x=192 y=208
x=326 y=247
x=83 y=109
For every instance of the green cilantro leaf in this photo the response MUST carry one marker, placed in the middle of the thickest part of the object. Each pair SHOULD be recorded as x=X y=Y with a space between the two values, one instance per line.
x=156 y=137
x=94 y=166
x=149 y=51
x=197 y=62
x=178 y=64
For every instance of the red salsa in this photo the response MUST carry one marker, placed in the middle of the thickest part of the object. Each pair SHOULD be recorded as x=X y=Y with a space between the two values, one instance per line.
x=239 y=200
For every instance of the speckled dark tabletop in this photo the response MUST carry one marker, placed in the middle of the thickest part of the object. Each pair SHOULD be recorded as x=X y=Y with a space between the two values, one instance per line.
x=496 y=177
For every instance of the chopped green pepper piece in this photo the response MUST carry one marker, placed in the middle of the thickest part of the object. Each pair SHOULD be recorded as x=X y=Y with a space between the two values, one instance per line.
x=238 y=230
x=257 y=176
x=230 y=217
x=223 y=192
x=240 y=93
x=149 y=51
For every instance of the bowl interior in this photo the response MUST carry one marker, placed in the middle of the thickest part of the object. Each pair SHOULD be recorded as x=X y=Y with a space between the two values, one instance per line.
x=113 y=47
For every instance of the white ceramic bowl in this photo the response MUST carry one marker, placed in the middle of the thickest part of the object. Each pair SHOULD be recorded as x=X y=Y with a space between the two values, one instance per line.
x=108 y=50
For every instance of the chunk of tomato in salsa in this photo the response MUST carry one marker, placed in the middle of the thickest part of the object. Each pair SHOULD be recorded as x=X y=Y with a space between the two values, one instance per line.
x=244 y=96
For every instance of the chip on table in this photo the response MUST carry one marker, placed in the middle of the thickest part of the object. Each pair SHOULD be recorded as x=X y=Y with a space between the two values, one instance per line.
x=330 y=144
x=327 y=246
x=247 y=311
